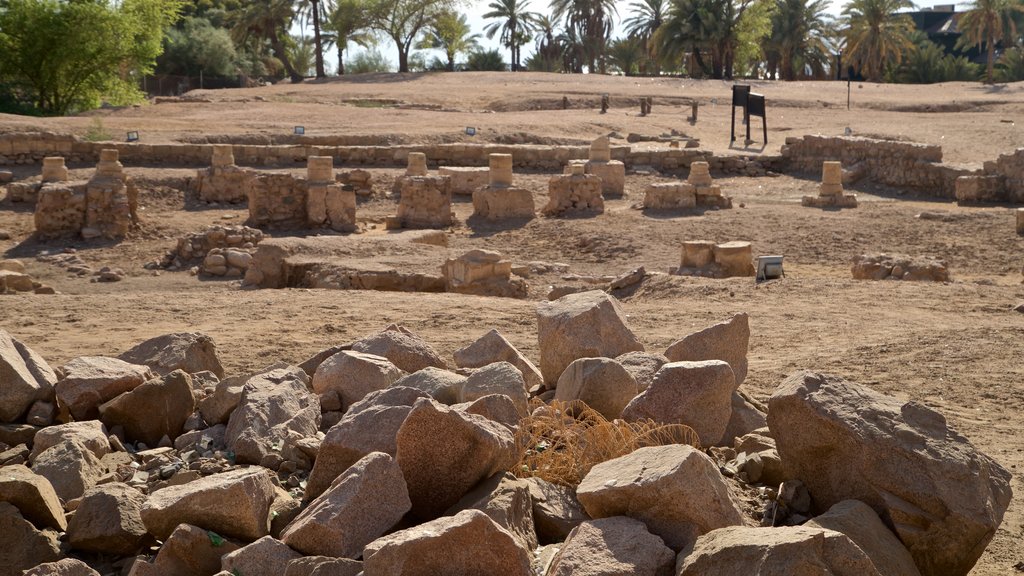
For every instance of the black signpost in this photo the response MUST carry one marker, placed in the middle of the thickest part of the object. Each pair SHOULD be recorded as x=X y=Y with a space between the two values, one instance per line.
x=756 y=107
x=740 y=93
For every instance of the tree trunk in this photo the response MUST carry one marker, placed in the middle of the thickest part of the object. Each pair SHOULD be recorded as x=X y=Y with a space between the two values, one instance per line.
x=341 y=62
x=403 y=58
x=282 y=55
x=451 y=62
x=318 y=45
x=991 y=58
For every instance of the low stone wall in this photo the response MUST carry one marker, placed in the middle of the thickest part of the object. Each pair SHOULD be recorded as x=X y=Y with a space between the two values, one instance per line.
x=194 y=248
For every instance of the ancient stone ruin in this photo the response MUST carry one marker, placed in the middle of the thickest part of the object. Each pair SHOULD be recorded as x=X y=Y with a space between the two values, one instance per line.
x=285 y=202
x=706 y=192
x=670 y=196
x=359 y=181
x=830 y=192
x=482 y=273
x=500 y=200
x=103 y=207
x=466 y=179
x=328 y=204
x=15 y=280
x=1020 y=221
x=426 y=202
x=54 y=169
x=899 y=267
x=228 y=242
x=574 y=192
x=725 y=260
x=223 y=181
x=611 y=172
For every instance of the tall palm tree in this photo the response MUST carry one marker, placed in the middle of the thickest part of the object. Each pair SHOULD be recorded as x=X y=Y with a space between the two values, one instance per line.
x=349 y=21
x=591 y=21
x=876 y=35
x=703 y=28
x=799 y=31
x=267 y=20
x=988 y=22
x=626 y=54
x=310 y=11
x=647 y=17
x=516 y=24
x=449 y=32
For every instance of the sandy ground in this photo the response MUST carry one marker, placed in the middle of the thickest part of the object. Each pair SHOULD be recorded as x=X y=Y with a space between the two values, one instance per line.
x=953 y=346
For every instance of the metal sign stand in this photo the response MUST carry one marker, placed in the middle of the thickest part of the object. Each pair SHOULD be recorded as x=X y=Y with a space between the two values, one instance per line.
x=740 y=93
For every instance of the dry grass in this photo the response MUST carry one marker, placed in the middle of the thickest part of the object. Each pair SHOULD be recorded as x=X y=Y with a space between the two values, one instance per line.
x=562 y=441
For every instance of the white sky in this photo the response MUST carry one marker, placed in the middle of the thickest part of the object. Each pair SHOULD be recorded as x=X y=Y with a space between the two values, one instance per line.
x=478 y=7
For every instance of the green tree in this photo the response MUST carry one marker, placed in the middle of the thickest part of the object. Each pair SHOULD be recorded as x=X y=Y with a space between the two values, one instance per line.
x=349 y=21
x=368 y=62
x=986 y=23
x=753 y=33
x=266 y=21
x=65 y=56
x=514 y=22
x=876 y=35
x=704 y=28
x=198 y=47
x=647 y=17
x=310 y=12
x=589 y=23
x=798 y=35
x=449 y=32
x=547 y=53
x=626 y=54
x=403 y=20
x=1010 y=67
x=485 y=61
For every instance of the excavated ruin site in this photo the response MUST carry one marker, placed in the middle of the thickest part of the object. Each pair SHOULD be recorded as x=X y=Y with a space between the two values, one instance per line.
x=553 y=344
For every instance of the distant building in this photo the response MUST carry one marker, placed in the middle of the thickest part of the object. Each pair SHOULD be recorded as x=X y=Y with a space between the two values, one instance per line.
x=940 y=24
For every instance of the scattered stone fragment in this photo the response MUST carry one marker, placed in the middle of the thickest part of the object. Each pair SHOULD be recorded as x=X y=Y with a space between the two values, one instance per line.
x=92 y=380
x=264 y=557
x=858 y=522
x=65 y=567
x=188 y=551
x=353 y=375
x=440 y=384
x=556 y=511
x=612 y=547
x=727 y=341
x=498 y=378
x=507 y=501
x=189 y=351
x=25 y=378
x=33 y=496
x=108 y=520
x=70 y=466
x=403 y=348
x=493 y=347
x=25 y=546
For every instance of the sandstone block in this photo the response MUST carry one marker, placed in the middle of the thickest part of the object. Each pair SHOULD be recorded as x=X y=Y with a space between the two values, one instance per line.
x=154 y=409
x=493 y=347
x=353 y=375
x=108 y=520
x=498 y=378
x=601 y=383
x=189 y=351
x=613 y=547
x=92 y=380
x=726 y=341
x=33 y=496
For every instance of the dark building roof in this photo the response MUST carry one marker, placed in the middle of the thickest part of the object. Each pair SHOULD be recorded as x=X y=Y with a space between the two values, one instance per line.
x=940 y=23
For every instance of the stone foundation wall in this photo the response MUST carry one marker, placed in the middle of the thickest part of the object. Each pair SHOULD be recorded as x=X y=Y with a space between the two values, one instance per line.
x=194 y=248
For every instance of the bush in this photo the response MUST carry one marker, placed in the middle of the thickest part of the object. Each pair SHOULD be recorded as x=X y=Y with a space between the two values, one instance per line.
x=1010 y=66
x=366 y=62
x=486 y=61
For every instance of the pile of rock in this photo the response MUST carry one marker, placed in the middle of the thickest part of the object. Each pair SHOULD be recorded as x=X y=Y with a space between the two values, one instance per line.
x=378 y=457
x=194 y=248
x=359 y=181
x=14 y=279
x=575 y=192
x=483 y=273
x=711 y=260
x=899 y=267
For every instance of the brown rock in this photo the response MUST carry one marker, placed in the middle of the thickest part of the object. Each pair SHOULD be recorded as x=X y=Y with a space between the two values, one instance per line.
x=845 y=441
x=643 y=366
x=493 y=347
x=698 y=394
x=404 y=349
x=70 y=467
x=189 y=551
x=601 y=383
x=235 y=503
x=33 y=496
x=264 y=557
x=188 y=351
x=498 y=378
x=467 y=544
x=24 y=378
x=24 y=546
x=616 y=546
x=360 y=506
x=495 y=407
x=91 y=433
x=444 y=453
x=583 y=325
x=154 y=409
x=787 y=550
x=556 y=511
x=92 y=380
x=727 y=341
x=507 y=501
x=65 y=567
x=745 y=418
x=675 y=490
x=442 y=385
x=858 y=522
x=108 y=520
x=353 y=375
x=370 y=425
x=323 y=566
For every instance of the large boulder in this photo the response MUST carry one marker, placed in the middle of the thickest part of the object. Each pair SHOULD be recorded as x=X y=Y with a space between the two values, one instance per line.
x=507 y=501
x=556 y=511
x=108 y=520
x=443 y=453
x=698 y=394
x=675 y=490
x=359 y=507
x=643 y=366
x=324 y=566
x=65 y=567
x=745 y=418
x=601 y=383
x=70 y=466
x=92 y=380
x=858 y=522
x=727 y=341
x=403 y=348
x=90 y=433
x=152 y=410
x=493 y=347
x=496 y=407
x=276 y=410
x=498 y=378
x=188 y=351
x=617 y=546
x=25 y=378
x=467 y=544
x=944 y=498
x=442 y=385
x=24 y=545
x=353 y=375
x=264 y=557
x=370 y=425
x=582 y=325
x=796 y=550
x=234 y=503
x=188 y=551
x=33 y=495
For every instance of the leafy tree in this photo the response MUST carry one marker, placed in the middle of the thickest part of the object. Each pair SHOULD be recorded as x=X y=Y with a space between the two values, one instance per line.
x=515 y=23
x=959 y=69
x=799 y=29
x=988 y=22
x=924 y=64
x=1010 y=66
x=301 y=54
x=547 y=54
x=215 y=11
x=485 y=61
x=349 y=22
x=625 y=55
x=64 y=56
x=876 y=35
x=198 y=47
x=753 y=34
x=647 y=17
x=704 y=28
x=451 y=33
x=266 y=22
x=403 y=20
x=589 y=24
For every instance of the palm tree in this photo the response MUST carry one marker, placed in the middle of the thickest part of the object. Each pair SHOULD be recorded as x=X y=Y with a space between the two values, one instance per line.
x=266 y=20
x=876 y=35
x=647 y=17
x=799 y=31
x=449 y=32
x=988 y=22
x=591 y=21
x=310 y=11
x=547 y=54
x=349 y=21
x=703 y=27
x=515 y=23
x=625 y=54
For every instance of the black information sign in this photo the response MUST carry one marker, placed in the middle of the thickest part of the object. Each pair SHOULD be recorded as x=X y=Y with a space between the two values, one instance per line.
x=740 y=93
x=756 y=107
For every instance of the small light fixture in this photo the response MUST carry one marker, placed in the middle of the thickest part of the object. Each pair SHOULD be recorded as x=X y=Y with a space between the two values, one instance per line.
x=133 y=136
x=769 y=268
x=470 y=131
x=300 y=130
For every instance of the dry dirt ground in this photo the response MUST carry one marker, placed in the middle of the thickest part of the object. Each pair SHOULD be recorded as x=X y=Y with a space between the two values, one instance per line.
x=956 y=346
